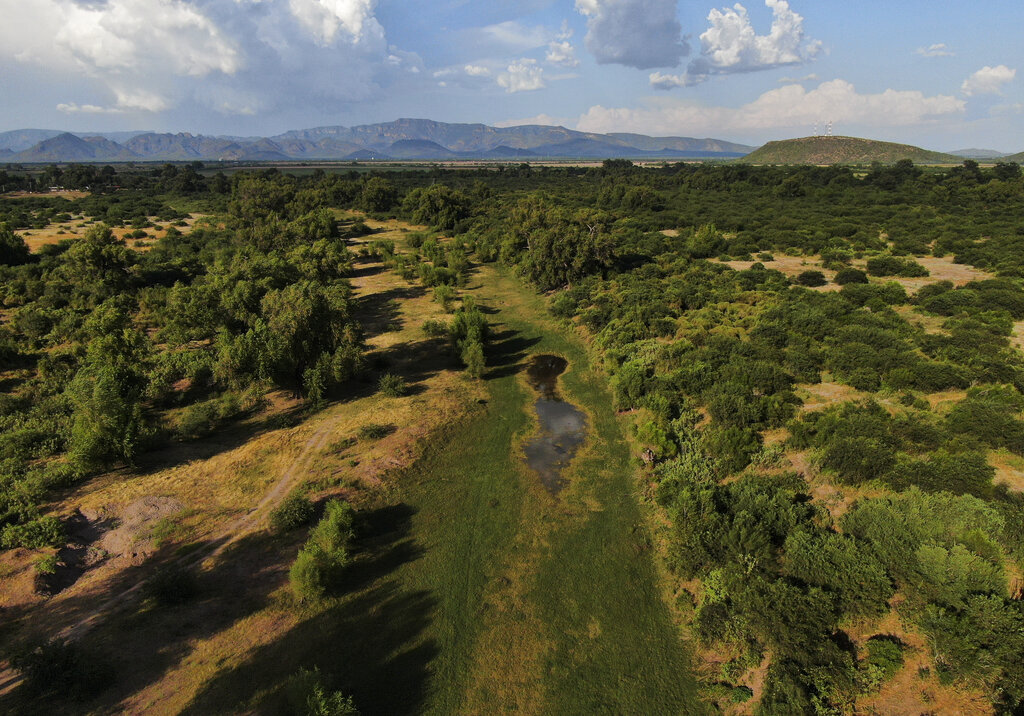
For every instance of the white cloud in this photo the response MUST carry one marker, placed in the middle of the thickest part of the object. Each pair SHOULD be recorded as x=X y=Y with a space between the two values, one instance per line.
x=798 y=80
x=231 y=56
x=561 y=52
x=515 y=36
x=784 y=107
x=636 y=33
x=118 y=35
x=324 y=18
x=937 y=50
x=988 y=80
x=522 y=75
x=73 y=108
x=477 y=71
x=731 y=45
x=541 y=119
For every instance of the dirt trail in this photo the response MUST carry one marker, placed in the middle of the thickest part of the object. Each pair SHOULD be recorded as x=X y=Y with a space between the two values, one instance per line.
x=224 y=538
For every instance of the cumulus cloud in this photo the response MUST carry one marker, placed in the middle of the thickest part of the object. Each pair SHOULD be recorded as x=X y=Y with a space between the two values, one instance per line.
x=231 y=56
x=522 y=75
x=784 y=107
x=988 y=80
x=937 y=50
x=731 y=45
x=477 y=71
x=560 y=51
x=324 y=18
x=637 y=33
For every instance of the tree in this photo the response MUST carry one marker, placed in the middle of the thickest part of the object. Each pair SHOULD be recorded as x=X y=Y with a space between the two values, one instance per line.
x=106 y=393
x=378 y=195
x=13 y=249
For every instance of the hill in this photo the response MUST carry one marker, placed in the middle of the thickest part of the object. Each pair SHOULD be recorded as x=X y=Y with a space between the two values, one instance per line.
x=978 y=154
x=406 y=139
x=1019 y=158
x=843 y=150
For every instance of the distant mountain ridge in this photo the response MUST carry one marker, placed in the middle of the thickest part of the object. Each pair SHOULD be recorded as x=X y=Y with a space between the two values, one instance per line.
x=843 y=150
x=978 y=154
x=405 y=139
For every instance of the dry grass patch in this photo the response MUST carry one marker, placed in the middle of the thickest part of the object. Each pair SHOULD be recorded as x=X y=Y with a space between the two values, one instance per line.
x=77 y=228
x=819 y=396
x=1009 y=469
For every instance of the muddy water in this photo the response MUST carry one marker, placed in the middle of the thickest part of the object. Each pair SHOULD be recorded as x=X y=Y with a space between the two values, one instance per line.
x=563 y=427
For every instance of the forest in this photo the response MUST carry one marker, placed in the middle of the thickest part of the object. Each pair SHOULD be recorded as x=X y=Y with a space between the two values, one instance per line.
x=819 y=371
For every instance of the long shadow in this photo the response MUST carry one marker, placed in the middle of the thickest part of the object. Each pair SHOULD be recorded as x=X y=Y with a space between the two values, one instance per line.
x=141 y=641
x=380 y=312
x=506 y=351
x=369 y=644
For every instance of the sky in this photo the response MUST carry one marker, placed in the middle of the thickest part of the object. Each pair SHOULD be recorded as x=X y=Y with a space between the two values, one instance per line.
x=936 y=73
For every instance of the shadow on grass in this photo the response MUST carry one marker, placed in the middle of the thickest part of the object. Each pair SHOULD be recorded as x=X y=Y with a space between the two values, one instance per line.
x=368 y=644
x=506 y=352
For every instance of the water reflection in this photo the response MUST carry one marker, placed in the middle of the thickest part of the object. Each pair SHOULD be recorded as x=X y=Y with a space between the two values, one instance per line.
x=563 y=427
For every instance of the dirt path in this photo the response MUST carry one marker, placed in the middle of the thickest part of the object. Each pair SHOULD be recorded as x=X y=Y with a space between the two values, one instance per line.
x=218 y=543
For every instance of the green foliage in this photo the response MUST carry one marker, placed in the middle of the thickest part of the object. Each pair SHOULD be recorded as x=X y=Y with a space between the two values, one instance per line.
x=171 y=585
x=307 y=696
x=375 y=431
x=34 y=534
x=323 y=558
x=295 y=511
x=811 y=278
x=894 y=266
x=392 y=386
x=850 y=275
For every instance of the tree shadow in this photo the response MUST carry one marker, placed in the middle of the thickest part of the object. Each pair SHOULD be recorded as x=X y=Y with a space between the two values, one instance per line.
x=506 y=351
x=368 y=644
x=141 y=640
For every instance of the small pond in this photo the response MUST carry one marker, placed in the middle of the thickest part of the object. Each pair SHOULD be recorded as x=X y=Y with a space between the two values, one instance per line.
x=563 y=427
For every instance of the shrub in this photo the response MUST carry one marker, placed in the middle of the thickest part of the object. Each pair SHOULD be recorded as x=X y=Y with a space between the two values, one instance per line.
x=307 y=696
x=60 y=668
x=811 y=278
x=850 y=275
x=171 y=585
x=392 y=386
x=36 y=534
x=435 y=328
x=893 y=266
x=295 y=511
x=445 y=295
x=325 y=555
x=375 y=431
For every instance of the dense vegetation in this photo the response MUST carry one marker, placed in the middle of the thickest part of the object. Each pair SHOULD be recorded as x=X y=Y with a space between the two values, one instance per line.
x=113 y=351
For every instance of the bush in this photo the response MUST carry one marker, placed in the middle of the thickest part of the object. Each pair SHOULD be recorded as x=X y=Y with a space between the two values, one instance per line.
x=325 y=555
x=392 y=386
x=435 y=328
x=851 y=275
x=307 y=696
x=36 y=534
x=893 y=266
x=375 y=431
x=811 y=278
x=60 y=668
x=171 y=585
x=295 y=511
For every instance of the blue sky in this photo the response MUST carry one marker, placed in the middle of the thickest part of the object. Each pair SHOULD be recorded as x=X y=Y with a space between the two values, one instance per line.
x=941 y=73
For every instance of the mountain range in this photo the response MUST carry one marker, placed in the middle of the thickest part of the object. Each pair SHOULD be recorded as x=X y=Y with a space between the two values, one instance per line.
x=404 y=139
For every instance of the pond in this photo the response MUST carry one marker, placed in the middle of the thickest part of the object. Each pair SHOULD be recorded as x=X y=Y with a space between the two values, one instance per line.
x=563 y=427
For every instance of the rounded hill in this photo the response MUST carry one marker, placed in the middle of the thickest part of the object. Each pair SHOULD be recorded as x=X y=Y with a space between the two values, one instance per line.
x=843 y=150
